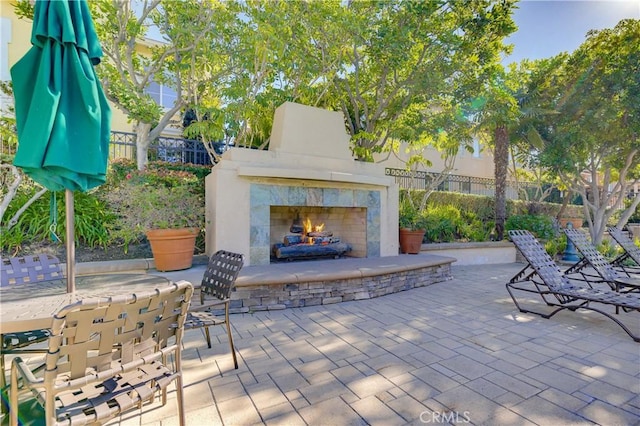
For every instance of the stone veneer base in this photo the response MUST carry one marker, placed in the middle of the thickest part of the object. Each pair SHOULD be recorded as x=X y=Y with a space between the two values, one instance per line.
x=322 y=282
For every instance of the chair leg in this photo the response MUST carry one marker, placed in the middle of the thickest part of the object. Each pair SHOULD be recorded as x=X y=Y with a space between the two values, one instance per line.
x=206 y=334
x=180 y=400
x=228 y=324
x=4 y=389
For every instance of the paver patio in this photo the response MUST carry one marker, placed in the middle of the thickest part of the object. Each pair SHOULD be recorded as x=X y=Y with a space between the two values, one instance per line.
x=452 y=352
x=455 y=352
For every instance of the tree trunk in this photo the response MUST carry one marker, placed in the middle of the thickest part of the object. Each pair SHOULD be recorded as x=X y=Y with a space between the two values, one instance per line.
x=501 y=162
x=142 y=144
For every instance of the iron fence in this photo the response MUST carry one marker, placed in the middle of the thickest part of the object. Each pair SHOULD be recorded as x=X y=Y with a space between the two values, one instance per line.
x=173 y=150
x=464 y=184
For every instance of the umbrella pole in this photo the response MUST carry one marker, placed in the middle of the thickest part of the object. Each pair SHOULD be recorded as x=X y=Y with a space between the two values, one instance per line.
x=71 y=242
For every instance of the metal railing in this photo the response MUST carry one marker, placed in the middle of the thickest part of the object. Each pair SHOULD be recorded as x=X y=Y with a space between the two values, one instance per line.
x=407 y=179
x=174 y=150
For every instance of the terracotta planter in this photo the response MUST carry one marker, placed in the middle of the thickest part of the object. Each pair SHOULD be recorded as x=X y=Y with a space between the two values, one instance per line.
x=576 y=222
x=411 y=241
x=172 y=248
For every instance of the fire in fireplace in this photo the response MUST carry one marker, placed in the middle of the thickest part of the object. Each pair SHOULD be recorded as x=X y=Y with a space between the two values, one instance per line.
x=306 y=240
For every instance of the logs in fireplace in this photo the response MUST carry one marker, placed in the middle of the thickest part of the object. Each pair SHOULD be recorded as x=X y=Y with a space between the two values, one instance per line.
x=302 y=243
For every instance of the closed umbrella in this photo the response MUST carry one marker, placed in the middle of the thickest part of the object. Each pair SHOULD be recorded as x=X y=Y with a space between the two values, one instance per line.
x=62 y=115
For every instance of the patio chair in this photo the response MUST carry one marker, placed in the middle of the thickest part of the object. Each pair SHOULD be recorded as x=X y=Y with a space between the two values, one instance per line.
x=593 y=261
x=22 y=270
x=106 y=356
x=631 y=252
x=218 y=282
x=543 y=277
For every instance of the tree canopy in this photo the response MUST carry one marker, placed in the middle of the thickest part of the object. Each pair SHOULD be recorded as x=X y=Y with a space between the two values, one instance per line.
x=593 y=140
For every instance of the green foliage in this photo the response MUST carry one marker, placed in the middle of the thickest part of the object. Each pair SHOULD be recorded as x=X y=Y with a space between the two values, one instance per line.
x=441 y=223
x=609 y=249
x=91 y=219
x=540 y=226
x=155 y=198
x=556 y=245
x=480 y=205
x=408 y=215
x=596 y=127
x=476 y=214
x=474 y=228
x=117 y=213
x=160 y=173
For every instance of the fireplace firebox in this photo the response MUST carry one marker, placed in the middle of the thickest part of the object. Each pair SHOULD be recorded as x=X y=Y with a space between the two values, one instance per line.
x=315 y=232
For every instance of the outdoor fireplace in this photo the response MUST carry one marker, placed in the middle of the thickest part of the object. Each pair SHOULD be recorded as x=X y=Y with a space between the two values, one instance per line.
x=254 y=196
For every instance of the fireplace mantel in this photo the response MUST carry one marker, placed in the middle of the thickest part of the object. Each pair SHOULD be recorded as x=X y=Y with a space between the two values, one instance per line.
x=308 y=174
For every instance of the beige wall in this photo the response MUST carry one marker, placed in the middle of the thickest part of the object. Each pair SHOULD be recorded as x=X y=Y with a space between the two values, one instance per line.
x=478 y=164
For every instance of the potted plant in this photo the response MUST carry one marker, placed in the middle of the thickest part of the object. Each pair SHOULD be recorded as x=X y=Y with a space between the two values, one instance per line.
x=411 y=229
x=171 y=217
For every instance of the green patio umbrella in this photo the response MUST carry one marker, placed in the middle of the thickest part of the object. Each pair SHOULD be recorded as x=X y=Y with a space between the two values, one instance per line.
x=62 y=115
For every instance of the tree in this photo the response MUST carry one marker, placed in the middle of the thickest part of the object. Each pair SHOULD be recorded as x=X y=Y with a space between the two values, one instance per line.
x=512 y=106
x=133 y=61
x=234 y=62
x=500 y=110
x=395 y=54
x=593 y=144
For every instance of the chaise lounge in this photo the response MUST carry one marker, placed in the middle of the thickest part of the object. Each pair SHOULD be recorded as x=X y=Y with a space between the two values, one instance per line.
x=593 y=261
x=631 y=252
x=543 y=277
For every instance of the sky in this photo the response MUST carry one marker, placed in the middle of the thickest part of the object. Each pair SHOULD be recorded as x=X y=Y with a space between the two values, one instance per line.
x=549 y=27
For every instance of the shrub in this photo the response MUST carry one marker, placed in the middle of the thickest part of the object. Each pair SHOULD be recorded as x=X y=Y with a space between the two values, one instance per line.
x=91 y=220
x=148 y=200
x=540 y=226
x=441 y=223
x=107 y=215
x=556 y=245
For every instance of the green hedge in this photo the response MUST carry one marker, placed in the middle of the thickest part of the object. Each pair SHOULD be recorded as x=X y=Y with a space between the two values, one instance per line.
x=483 y=206
x=451 y=216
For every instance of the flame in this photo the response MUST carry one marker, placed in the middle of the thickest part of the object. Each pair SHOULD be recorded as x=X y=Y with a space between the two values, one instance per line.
x=309 y=227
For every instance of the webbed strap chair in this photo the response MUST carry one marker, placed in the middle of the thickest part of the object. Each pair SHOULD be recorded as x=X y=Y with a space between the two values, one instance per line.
x=106 y=356
x=595 y=268
x=215 y=296
x=543 y=277
x=629 y=261
x=22 y=270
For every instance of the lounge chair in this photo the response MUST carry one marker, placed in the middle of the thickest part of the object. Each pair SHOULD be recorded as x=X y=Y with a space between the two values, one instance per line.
x=631 y=252
x=543 y=277
x=107 y=356
x=215 y=295
x=593 y=261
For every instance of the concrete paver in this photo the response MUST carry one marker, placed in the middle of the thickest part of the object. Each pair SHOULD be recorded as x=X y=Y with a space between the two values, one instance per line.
x=454 y=352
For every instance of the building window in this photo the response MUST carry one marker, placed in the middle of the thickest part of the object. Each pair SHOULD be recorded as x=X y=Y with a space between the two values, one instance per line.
x=163 y=95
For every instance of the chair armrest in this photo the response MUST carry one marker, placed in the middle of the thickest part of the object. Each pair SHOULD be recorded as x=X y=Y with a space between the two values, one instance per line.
x=208 y=305
x=18 y=366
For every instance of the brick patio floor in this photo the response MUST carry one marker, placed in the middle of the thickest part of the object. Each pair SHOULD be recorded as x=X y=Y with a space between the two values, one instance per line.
x=455 y=352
